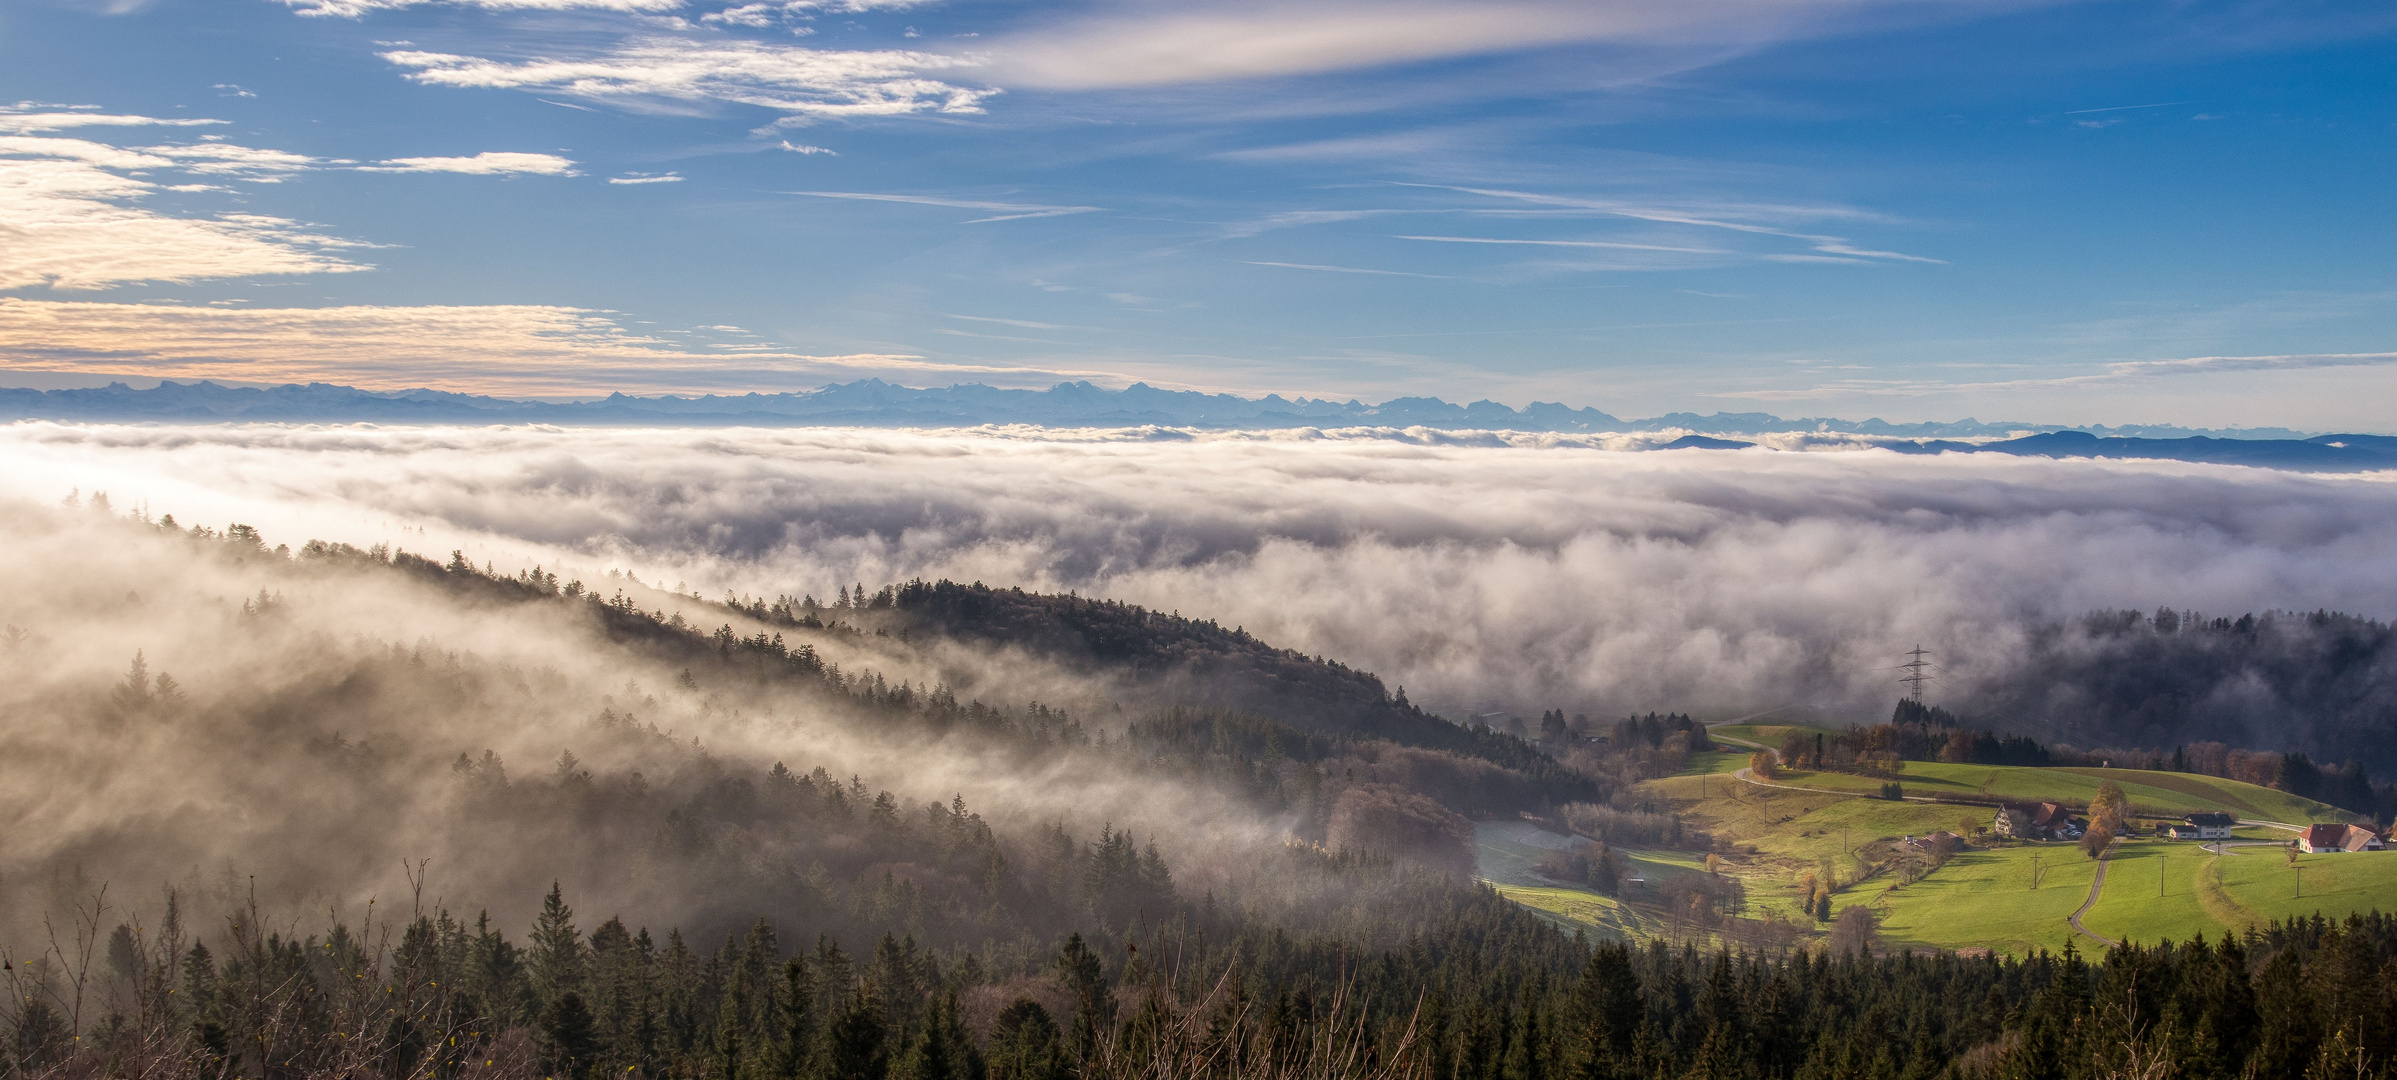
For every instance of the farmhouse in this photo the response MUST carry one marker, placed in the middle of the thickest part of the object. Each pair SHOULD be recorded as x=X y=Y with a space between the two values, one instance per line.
x=2201 y=827
x=2057 y=822
x=2335 y=837
x=2046 y=821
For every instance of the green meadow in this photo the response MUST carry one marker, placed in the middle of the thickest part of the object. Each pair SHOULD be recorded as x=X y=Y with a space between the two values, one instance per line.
x=2152 y=794
x=1984 y=898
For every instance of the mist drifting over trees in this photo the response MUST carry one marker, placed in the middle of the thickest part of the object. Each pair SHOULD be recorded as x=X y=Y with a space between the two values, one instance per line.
x=1520 y=576
x=1004 y=754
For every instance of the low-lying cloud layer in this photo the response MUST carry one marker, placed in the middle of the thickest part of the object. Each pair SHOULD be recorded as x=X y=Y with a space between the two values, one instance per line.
x=1542 y=573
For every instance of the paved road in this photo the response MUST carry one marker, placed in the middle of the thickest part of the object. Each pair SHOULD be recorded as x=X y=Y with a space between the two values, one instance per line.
x=2095 y=884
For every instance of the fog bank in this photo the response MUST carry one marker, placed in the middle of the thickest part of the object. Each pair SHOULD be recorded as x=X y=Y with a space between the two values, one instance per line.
x=1479 y=572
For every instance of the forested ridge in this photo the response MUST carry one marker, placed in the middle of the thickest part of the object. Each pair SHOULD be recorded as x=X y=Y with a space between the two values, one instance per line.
x=2321 y=683
x=650 y=835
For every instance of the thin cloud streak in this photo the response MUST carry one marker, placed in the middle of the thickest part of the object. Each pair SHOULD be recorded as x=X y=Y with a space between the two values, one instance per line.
x=1569 y=244
x=2116 y=373
x=643 y=72
x=1214 y=42
x=1015 y=211
x=488 y=163
x=521 y=350
x=1341 y=269
x=1838 y=248
x=30 y=123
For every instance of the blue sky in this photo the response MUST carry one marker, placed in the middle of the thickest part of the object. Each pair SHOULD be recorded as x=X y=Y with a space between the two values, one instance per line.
x=2068 y=212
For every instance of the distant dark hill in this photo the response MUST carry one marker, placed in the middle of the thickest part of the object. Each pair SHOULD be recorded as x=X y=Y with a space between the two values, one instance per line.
x=1199 y=663
x=1701 y=442
x=2327 y=453
x=874 y=403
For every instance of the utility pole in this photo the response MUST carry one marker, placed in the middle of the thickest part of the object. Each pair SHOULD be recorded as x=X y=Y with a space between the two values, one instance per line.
x=1918 y=672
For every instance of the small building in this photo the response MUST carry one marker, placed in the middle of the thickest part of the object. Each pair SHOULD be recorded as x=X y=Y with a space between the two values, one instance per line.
x=2046 y=821
x=2055 y=822
x=2328 y=837
x=2202 y=827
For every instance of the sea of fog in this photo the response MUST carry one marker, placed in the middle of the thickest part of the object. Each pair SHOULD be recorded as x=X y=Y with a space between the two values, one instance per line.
x=1477 y=571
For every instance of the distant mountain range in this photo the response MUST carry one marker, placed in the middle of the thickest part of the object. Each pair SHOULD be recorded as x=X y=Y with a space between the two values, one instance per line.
x=874 y=403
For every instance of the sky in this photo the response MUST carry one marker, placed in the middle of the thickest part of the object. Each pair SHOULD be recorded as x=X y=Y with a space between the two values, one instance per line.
x=2119 y=212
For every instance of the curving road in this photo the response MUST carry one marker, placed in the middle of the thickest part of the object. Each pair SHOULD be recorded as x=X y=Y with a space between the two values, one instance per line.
x=2096 y=883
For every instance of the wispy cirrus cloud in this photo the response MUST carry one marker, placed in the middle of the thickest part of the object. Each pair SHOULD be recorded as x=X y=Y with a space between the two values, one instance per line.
x=1155 y=45
x=2113 y=373
x=769 y=13
x=1566 y=243
x=72 y=225
x=352 y=9
x=518 y=349
x=1339 y=269
x=27 y=123
x=1010 y=211
x=70 y=220
x=72 y=216
x=651 y=72
x=1753 y=219
x=488 y=163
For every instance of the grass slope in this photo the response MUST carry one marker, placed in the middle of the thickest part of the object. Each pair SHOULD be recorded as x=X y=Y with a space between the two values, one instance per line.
x=1505 y=862
x=2218 y=894
x=1770 y=735
x=1984 y=898
x=2155 y=794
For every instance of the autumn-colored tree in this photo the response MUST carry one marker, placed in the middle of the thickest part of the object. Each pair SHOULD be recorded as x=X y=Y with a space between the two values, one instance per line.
x=2108 y=808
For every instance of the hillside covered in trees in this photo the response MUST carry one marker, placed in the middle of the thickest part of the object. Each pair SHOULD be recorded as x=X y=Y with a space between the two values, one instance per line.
x=323 y=810
x=2320 y=684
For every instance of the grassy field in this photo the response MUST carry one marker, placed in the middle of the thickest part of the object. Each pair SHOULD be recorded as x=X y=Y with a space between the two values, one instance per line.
x=1775 y=839
x=2151 y=793
x=2203 y=892
x=1506 y=853
x=1585 y=910
x=1717 y=761
x=2260 y=883
x=2138 y=907
x=1770 y=735
x=1984 y=899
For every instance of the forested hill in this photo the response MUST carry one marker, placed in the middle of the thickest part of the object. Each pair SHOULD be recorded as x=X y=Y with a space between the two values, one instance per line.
x=2319 y=683
x=1168 y=658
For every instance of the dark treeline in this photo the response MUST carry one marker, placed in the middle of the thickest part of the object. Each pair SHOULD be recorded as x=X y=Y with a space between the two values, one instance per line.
x=2320 y=683
x=1918 y=732
x=1170 y=661
x=1199 y=663
x=1476 y=988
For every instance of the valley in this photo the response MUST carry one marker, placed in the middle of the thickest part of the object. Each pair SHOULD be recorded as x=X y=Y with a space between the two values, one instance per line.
x=1783 y=839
